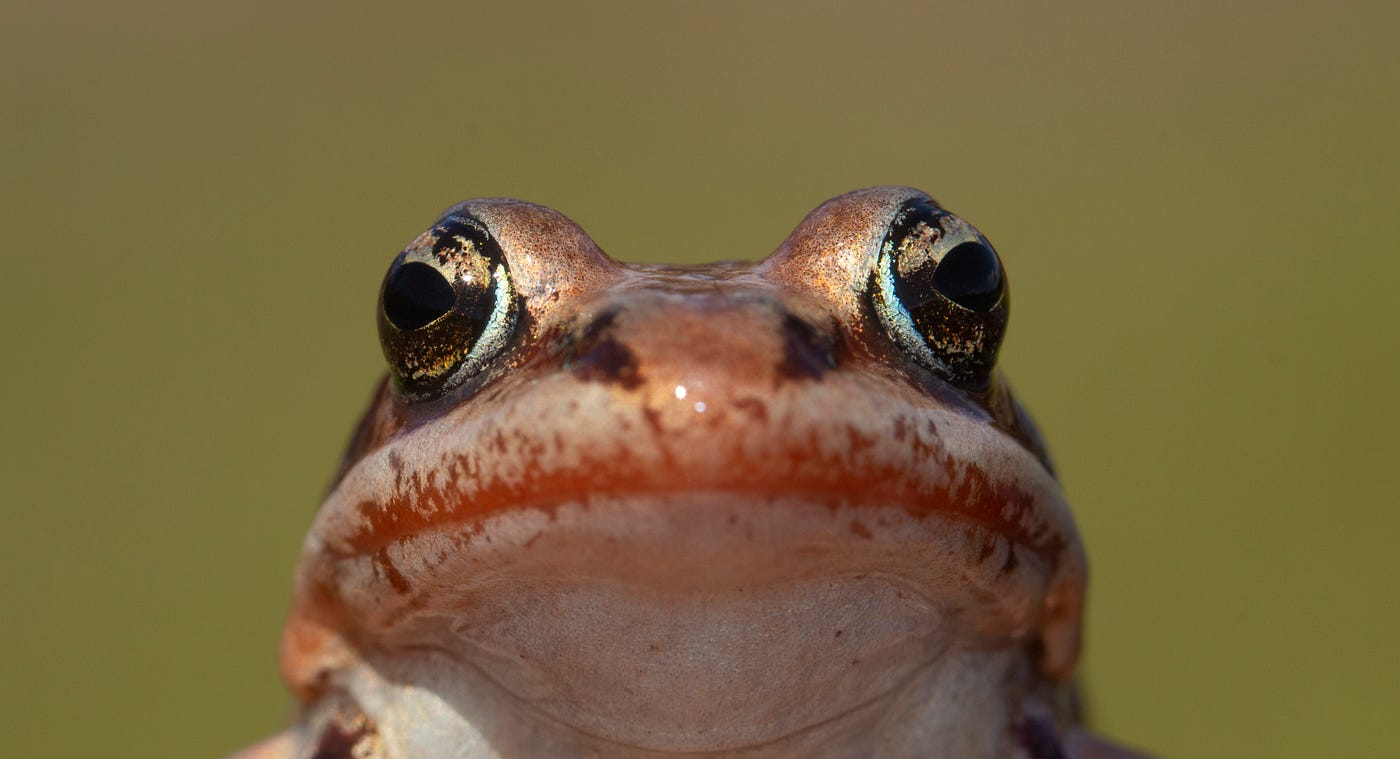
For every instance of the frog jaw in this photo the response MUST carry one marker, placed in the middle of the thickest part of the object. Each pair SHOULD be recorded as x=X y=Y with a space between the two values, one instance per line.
x=604 y=520
x=696 y=622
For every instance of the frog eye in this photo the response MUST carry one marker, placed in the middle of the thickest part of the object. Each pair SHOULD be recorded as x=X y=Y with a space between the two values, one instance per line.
x=446 y=307
x=940 y=291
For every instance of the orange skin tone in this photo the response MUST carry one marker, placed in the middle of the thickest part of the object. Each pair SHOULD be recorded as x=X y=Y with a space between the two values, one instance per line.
x=663 y=468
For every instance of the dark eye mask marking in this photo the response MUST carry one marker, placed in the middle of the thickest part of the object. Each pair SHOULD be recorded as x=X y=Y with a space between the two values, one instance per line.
x=598 y=356
x=807 y=351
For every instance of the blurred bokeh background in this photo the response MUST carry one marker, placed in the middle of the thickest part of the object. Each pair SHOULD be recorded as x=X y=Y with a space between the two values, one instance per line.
x=1196 y=203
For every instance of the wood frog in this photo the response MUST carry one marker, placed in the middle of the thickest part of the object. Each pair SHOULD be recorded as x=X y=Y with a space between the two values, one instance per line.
x=775 y=509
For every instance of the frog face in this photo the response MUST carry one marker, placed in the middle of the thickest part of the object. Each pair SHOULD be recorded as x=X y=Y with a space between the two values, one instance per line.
x=770 y=509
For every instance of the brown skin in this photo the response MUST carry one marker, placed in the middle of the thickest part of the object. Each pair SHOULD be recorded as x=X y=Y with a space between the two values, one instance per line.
x=742 y=509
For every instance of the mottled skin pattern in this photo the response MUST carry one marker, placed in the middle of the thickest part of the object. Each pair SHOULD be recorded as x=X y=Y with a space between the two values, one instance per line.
x=696 y=511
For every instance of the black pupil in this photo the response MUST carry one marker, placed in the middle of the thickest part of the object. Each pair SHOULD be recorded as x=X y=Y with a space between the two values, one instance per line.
x=970 y=276
x=417 y=294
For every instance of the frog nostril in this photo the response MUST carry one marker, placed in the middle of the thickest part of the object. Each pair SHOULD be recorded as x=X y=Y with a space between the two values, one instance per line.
x=807 y=351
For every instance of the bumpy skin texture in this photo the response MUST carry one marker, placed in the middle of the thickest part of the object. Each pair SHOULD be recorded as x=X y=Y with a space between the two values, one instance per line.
x=716 y=510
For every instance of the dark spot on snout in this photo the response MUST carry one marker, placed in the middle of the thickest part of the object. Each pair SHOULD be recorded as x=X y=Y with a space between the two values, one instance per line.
x=807 y=351
x=596 y=355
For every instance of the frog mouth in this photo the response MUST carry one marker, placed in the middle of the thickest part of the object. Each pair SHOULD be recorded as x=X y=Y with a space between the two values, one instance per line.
x=922 y=460
x=1000 y=536
x=631 y=491
x=538 y=547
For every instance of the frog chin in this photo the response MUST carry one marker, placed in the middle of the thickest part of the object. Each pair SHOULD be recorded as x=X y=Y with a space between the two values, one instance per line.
x=694 y=622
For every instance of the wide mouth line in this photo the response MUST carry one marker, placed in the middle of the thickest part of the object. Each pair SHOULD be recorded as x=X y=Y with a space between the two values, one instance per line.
x=385 y=524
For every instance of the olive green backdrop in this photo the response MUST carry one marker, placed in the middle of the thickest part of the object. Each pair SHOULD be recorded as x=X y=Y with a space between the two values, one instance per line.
x=1197 y=208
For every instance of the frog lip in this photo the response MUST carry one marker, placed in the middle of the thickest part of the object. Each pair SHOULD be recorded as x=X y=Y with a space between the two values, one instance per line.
x=708 y=540
x=852 y=437
x=1000 y=511
x=930 y=462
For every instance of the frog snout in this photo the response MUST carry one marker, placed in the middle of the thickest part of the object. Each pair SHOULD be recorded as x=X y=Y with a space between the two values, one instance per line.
x=700 y=341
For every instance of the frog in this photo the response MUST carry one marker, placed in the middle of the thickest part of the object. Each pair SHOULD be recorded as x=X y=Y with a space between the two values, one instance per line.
x=777 y=508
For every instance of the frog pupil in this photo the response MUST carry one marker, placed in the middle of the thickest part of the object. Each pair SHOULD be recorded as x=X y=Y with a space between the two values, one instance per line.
x=416 y=295
x=970 y=276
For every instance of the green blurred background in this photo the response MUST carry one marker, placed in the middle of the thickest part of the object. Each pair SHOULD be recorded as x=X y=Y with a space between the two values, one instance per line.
x=1197 y=205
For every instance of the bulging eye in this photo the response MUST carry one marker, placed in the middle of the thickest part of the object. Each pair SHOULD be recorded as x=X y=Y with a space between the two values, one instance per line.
x=941 y=293
x=446 y=307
